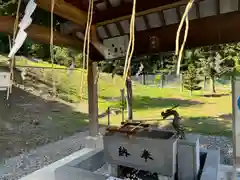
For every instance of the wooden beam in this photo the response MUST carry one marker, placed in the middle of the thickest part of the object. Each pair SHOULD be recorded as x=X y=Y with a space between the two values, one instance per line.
x=161 y=17
x=143 y=7
x=42 y=35
x=146 y=22
x=65 y=10
x=83 y=5
x=107 y=31
x=108 y=4
x=217 y=30
x=178 y=13
x=218 y=7
x=197 y=10
x=119 y=27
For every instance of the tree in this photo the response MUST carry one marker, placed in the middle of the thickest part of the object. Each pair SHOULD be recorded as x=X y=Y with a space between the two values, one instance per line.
x=191 y=56
x=190 y=79
x=214 y=64
x=232 y=54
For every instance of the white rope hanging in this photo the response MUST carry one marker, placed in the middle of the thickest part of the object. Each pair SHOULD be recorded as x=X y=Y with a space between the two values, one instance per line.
x=86 y=45
x=9 y=89
x=51 y=49
x=131 y=45
x=184 y=18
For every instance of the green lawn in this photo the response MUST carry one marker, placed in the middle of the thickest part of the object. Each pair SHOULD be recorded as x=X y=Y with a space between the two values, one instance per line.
x=207 y=115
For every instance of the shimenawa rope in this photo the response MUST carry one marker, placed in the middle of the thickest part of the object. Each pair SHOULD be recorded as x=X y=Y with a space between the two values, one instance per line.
x=184 y=18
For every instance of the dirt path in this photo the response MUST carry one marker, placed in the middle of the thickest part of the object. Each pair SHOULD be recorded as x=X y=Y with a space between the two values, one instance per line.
x=35 y=119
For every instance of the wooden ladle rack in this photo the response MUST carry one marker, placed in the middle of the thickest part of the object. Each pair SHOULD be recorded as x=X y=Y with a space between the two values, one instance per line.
x=129 y=128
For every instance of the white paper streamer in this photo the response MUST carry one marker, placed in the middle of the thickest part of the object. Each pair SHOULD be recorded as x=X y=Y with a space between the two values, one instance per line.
x=21 y=37
x=30 y=8
x=25 y=23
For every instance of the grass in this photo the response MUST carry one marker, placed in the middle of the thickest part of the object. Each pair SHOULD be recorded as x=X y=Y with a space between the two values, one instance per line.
x=200 y=114
x=206 y=115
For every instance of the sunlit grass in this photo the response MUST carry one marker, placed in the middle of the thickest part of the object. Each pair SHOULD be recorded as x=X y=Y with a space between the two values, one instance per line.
x=199 y=113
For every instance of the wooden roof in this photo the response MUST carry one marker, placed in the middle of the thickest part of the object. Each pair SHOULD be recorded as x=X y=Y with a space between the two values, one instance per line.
x=211 y=21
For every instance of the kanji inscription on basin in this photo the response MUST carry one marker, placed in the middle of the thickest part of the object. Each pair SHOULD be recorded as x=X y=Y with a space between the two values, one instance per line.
x=150 y=154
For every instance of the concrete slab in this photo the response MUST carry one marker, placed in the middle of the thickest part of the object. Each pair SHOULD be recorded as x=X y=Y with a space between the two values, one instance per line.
x=188 y=158
x=85 y=167
x=48 y=172
x=94 y=142
x=237 y=162
x=90 y=161
x=89 y=164
x=225 y=172
x=73 y=173
x=211 y=166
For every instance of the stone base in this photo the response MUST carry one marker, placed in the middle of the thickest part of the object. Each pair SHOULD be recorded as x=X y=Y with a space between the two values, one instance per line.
x=158 y=143
x=237 y=162
x=188 y=158
x=94 y=142
x=160 y=177
x=113 y=170
x=211 y=166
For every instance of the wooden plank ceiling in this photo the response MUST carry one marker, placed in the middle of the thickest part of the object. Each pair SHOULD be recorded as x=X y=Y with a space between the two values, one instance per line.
x=157 y=19
x=212 y=21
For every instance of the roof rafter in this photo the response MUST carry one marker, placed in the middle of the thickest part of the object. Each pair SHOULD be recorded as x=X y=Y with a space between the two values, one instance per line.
x=161 y=17
x=142 y=8
x=145 y=19
x=65 y=10
x=217 y=30
x=197 y=10
x=42 y=35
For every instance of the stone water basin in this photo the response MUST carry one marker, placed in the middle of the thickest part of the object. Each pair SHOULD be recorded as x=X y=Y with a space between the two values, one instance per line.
x=93 y=166
x=162 y=145
x=153 y=151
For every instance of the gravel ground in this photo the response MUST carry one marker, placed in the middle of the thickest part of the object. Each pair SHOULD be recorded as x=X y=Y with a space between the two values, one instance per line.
x=224 y=143
x=17 y=167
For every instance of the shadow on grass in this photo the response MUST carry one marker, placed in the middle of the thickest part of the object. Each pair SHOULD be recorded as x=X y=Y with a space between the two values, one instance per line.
x=228 y=116
x=142 y=102
x=215 y=95
x=17 y=130
x=206 y=126
x=110 y=99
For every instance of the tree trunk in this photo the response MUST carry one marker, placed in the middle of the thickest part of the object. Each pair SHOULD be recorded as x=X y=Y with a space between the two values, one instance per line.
x=181 y=82
x=143 y=78
x=162 y=81
x=190 y=92
x=205 y=83
x=213 y=84
x=129 y=98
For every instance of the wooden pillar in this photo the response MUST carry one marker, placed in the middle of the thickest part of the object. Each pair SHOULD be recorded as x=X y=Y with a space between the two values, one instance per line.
x=92 y=99
x=129 y=97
